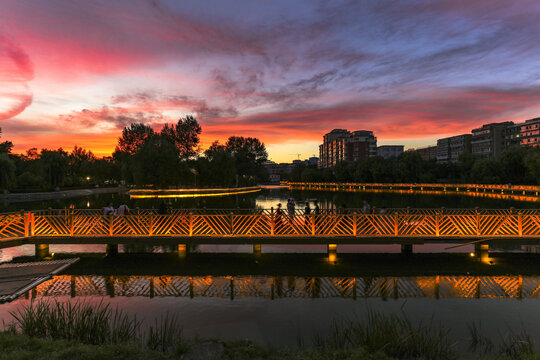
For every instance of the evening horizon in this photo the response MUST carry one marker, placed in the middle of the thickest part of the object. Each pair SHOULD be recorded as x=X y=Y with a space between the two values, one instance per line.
x=76 y=73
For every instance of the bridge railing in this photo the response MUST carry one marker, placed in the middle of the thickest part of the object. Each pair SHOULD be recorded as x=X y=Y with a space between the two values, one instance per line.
x=274 y=225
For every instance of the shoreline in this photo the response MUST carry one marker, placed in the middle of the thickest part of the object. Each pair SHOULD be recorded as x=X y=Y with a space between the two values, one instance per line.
x=62 y=194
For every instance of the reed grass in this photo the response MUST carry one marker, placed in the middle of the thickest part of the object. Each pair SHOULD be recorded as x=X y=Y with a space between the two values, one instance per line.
x=96 y=325
x=394 y=335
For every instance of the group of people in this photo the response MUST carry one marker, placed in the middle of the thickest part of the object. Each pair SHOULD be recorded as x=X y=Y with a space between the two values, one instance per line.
x=291 y=208
x=121 y=211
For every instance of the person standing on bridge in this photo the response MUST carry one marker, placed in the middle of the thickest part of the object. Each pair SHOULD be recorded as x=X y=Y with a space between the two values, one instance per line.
x=317 y=213
x=278 y=218
x=109 y=209
x=307 y=213
x=122 y=210
x=291 y=207
x=366 y=209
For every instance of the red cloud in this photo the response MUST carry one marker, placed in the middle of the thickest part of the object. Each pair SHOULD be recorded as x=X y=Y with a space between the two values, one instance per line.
x=438 y=115
x=15 y=70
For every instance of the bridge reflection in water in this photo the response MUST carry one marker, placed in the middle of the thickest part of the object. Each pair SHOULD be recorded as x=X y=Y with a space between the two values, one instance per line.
x=278 y=287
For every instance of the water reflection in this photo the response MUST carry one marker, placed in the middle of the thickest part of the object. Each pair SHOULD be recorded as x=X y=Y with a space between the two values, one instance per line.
x=278 y=287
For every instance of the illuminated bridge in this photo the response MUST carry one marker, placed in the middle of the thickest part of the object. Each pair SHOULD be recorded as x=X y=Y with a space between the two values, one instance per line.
x=514 y=192
x=258 y=226
x=275 y=287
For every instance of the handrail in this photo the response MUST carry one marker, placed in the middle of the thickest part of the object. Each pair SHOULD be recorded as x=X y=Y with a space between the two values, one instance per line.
x=436 y=224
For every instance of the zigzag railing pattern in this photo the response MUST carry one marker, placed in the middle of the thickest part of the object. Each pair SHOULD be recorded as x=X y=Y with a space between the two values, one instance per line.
x=419 y=223
x=519 y=287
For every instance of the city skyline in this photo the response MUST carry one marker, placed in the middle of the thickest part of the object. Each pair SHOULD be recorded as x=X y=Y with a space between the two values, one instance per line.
x=75 y=73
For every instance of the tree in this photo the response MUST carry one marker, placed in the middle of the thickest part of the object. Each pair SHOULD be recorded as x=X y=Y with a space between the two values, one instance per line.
x=133 y=137
x=80 y=164
x=249 y=155
x=251 y=149
x=7 y=172
x=157 y=163
x=6 y=146
x=184 y=135
x=55 y=163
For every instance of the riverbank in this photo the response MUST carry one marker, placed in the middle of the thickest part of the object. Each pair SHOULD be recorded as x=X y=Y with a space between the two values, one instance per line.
x=54 y=195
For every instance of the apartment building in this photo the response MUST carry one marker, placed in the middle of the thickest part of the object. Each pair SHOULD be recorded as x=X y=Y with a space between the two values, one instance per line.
x=529 y=133
x=490 y=139
x=339 y=145
x=451 y=148
x=428 y=153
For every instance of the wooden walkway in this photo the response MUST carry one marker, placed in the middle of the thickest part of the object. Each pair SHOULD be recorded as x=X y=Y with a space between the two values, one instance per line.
x=18 y=278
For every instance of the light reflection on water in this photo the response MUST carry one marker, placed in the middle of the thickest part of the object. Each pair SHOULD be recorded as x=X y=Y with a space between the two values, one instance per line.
x=282 y=320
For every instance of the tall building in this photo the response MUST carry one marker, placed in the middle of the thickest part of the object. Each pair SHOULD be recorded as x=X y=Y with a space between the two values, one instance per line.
x=388 y=151
x=428 y=153
x=490 y=139
x=339 y=145
x=451 y=148
x=529 y=133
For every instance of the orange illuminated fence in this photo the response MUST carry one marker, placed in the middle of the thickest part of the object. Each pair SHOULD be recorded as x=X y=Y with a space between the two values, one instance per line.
x=258 y=223
x=517 y=287
x=14 y=225
x=516 y=192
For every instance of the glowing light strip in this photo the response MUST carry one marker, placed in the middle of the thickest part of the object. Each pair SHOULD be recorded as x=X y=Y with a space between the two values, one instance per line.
x=193 y=195
x=134 y=191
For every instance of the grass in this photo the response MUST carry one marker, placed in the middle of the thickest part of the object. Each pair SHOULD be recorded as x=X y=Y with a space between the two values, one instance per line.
x=96 y=325
x=395 y=335
x=63 y=330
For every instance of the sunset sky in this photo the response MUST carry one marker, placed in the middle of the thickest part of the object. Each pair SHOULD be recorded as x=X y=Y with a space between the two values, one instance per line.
x=75 y=72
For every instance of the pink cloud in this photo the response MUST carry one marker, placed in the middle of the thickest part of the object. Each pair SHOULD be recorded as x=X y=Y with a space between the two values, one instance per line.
x=16 y=70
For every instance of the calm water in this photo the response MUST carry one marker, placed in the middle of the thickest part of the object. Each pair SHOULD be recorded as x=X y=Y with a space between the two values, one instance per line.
x=268 y=198
x=280 y=310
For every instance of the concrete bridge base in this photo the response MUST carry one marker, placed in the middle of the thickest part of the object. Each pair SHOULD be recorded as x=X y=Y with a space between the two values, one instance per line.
x=406 y=249
x=332 y=253
x=111 y=250
x=182 y=251
x=42 y=251
x=257 y=250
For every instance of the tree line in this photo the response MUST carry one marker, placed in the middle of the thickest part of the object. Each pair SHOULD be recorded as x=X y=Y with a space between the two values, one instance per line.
x=517 y=165
x=170 y=157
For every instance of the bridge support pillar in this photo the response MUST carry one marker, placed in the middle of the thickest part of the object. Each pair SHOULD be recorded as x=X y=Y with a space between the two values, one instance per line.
x=481 y=251
x=182 y=251
x=42 y=251
x=111 y=250
x=406 y=249
x=332 y=253
x=257 y=250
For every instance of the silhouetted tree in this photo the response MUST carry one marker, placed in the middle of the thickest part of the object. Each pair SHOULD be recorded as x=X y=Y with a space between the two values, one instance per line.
x=184 y=135
x=6 y=146
x=133 y=138
x=7 y=172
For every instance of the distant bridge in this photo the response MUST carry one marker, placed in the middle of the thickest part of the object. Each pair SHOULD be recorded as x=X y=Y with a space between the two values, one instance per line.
x=515 y=192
